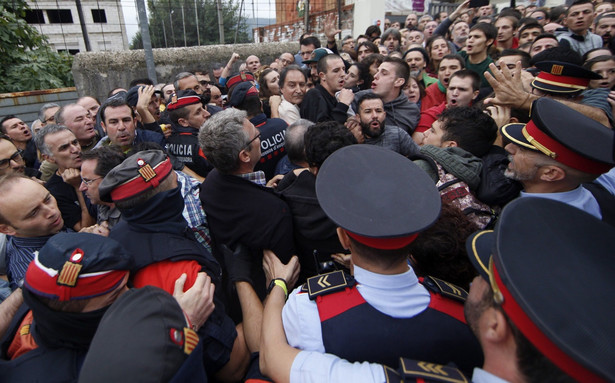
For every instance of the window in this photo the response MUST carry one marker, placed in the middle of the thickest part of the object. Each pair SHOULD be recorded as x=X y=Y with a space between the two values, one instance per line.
x=71 y=51
x=60 y=16
x=99 y=16
x=35 y=16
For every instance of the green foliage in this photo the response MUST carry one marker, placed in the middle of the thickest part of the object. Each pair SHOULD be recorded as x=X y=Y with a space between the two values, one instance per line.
x=28 y=62
x=163 y=13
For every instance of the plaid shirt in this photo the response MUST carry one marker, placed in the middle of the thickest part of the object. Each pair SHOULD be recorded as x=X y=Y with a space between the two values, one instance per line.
x=257 y=177
x=193 y=212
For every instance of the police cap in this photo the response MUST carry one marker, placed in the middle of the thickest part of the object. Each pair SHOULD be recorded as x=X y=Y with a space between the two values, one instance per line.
x=77 y=266
x=562 y=77
x=565 y=135
x=379 y=197
x=551 y=267
x=138 y=173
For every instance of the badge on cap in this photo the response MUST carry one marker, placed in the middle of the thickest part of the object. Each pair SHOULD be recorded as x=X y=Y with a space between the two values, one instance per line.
x=71 y=269
x=557 y=69
x=146 y=170
x=192 y=339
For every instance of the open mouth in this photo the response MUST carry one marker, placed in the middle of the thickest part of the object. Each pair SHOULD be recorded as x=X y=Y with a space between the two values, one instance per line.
x=453 y=101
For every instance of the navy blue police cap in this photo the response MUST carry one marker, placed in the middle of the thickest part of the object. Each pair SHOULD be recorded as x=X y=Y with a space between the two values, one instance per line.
x=144 y=337
x=551 y=267
x=565 y=135
x=379 y=197
x=241 y=91
x=77 y=266
x=562 y=77
x=183 y=98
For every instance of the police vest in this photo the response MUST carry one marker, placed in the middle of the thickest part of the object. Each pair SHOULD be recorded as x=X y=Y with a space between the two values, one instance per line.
x=185 y=147
x=354 y=330
x=41 y=364
x=149 y=248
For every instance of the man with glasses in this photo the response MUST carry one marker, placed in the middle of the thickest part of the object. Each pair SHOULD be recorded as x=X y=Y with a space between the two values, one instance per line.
x=47 y=113
x=11 y=161
x=239 y=207
x=187 y=80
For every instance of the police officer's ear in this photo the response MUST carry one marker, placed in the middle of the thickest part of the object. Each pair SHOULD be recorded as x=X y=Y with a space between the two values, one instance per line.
x=551 y=173
x=343 y=237
x=183 y=122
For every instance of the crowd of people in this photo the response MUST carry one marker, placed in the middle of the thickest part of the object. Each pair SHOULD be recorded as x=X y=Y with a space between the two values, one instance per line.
x=439 y=194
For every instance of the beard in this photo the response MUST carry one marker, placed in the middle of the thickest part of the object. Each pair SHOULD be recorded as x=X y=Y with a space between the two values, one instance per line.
x=415 y=73
x=516 y=175
x=368 y=131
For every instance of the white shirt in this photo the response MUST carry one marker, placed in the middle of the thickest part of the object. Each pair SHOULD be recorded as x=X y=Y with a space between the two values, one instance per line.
x=399 y=296
x=288 y=112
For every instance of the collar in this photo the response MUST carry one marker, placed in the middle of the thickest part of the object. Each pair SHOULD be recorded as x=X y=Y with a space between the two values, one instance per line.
x=259 y=119
x=385 y=282
x=257 y=177
x=31 y=241
x=481 y=376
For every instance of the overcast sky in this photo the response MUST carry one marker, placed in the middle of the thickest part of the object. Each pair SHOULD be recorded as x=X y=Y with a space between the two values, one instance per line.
x=258 y=8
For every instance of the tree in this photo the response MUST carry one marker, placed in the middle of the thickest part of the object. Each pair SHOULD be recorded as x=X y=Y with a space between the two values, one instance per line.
x=28 y=62
x=167 y=29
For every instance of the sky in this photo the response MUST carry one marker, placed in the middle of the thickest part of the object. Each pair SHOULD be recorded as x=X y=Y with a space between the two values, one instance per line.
x=252 y=8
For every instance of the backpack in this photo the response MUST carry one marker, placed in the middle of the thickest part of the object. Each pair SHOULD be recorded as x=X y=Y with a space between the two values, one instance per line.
x=457 y=193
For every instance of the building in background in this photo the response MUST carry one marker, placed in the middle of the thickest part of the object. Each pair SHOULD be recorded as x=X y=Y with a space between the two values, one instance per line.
x=72 y=25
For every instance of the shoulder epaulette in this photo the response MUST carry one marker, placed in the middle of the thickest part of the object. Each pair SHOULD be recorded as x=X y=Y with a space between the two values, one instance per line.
x=304 y=288
x=445 y=288
x=413 y=370
x=391 y=376
x=332 y=282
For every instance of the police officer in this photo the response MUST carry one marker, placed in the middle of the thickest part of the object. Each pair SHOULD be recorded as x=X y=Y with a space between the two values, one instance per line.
x=187 y=112
x=385 y=311
x=558 y=154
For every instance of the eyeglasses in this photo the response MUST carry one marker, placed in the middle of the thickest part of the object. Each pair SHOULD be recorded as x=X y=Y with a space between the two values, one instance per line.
x=252 y=140
x=16 y=157
x=88 y=182
x=205 y=83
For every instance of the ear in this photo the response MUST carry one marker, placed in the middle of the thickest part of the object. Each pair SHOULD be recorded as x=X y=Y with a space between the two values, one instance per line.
x=496 y=329
x=552 y=173
x=475 y=94
x=490 y=42
x=321 y=75
x=399 y=82
x=49 y=158
x=449 y=144
x=7 y=229
x=343 y=237
x=244 y=156
x=104 y=128
x=183 y=122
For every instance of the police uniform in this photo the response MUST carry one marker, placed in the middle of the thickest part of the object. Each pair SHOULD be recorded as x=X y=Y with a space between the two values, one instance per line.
x=555 y=284
x=572 y=139
x=161 y=244
x=380 y=317
x=183 y=142
x=45 y=345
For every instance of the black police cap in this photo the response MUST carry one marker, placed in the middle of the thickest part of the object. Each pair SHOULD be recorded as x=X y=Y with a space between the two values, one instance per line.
x=381 y=198
x=562 y=77
x=565 y=135
x=551 y=267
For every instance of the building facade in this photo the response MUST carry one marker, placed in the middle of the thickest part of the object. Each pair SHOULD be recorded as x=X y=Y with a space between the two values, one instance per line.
x=72 y=25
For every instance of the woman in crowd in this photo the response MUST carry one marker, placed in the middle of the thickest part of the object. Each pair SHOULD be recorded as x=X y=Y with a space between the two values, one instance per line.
x=436 y=47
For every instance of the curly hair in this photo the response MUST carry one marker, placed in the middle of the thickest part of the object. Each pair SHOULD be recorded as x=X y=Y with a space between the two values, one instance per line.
x=440 y=251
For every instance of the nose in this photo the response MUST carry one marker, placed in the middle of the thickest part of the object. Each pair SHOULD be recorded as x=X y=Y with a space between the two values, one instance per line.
x=83 y=187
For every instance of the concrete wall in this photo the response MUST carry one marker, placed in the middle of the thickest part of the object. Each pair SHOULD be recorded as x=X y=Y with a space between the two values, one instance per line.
x=26 y=105
x=96 y=73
